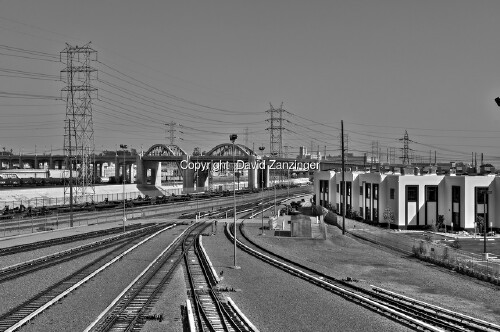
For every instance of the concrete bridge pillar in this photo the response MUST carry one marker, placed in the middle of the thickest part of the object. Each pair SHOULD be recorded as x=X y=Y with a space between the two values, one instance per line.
x=51 y=163
x=156 y=173
x=117 y=168
x=201 y=180
x=124 y=173
x=187 y=177
x=252 y=173
x=263 y=177
x=142 y=171
x=129 y=171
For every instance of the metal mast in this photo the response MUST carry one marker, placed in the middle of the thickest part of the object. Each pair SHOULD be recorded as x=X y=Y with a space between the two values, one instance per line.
x=79 y=144
x=171 y=131
x=275 y=130
x=406 y=149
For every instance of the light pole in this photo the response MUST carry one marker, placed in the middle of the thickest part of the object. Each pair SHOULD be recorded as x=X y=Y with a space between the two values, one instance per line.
x=261 y=149
x=233 y=138
x=124 y=146
x=196 y=197
x=274 y=185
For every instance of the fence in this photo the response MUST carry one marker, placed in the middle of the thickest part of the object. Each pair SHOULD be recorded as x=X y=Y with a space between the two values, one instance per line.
x=51 y=222
x=465 y=262
x=96 y=198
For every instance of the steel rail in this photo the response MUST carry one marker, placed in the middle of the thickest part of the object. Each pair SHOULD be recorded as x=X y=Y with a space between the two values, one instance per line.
x=229 y=318
x=369 y=303
x=27 y=307
x=481 y=324
x=36 y=264
x=128 y=308
x=62 y=240
x=80 y=283
x=201 y=304
x=428 y=314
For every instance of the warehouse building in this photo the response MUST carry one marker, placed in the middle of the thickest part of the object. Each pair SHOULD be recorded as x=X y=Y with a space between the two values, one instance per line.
x=416 y=200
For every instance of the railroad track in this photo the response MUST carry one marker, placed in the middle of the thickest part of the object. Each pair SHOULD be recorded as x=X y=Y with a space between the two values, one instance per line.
x=214 y=312
x=28 y=310
x=129 y=311
x=416 y=314
x=67 y=239
x=17 y=270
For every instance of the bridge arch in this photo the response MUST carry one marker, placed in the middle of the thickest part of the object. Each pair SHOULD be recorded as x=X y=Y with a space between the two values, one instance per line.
x=226 y=149
x=165 y=150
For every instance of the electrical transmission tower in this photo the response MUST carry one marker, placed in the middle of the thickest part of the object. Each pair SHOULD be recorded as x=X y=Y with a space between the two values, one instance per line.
x=391 y=155
x=171 y=131
x=406 y=149
x=276 y=130
x=79 y=142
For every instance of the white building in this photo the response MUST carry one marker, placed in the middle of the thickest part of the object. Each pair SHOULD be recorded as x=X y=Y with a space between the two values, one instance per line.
x=415 y=200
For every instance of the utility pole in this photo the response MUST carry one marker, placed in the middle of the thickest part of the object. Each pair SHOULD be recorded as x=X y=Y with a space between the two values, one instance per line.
x=78 y=76
x=344 y=141
x=343 y=178
x=261 y=149
x=124 y=147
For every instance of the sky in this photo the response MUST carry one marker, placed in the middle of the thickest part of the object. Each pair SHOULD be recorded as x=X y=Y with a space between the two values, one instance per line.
x=213 y=67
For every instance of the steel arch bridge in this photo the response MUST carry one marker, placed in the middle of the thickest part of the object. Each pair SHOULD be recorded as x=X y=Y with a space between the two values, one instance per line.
x=172 y=150
x=226 y=149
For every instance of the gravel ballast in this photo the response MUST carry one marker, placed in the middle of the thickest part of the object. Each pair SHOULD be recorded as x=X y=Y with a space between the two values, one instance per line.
x=274 y=300
x=342 y=256
x=81 y=307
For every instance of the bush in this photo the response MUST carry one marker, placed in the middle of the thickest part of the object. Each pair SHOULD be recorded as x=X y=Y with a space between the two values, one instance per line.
x=330 y=218
x=316 y=210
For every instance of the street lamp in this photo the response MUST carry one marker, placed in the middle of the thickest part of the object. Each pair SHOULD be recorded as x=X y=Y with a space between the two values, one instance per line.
x=261 y=149
x=274 y=185
x=124 y=146
x=196 y=197
x=233 y=138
